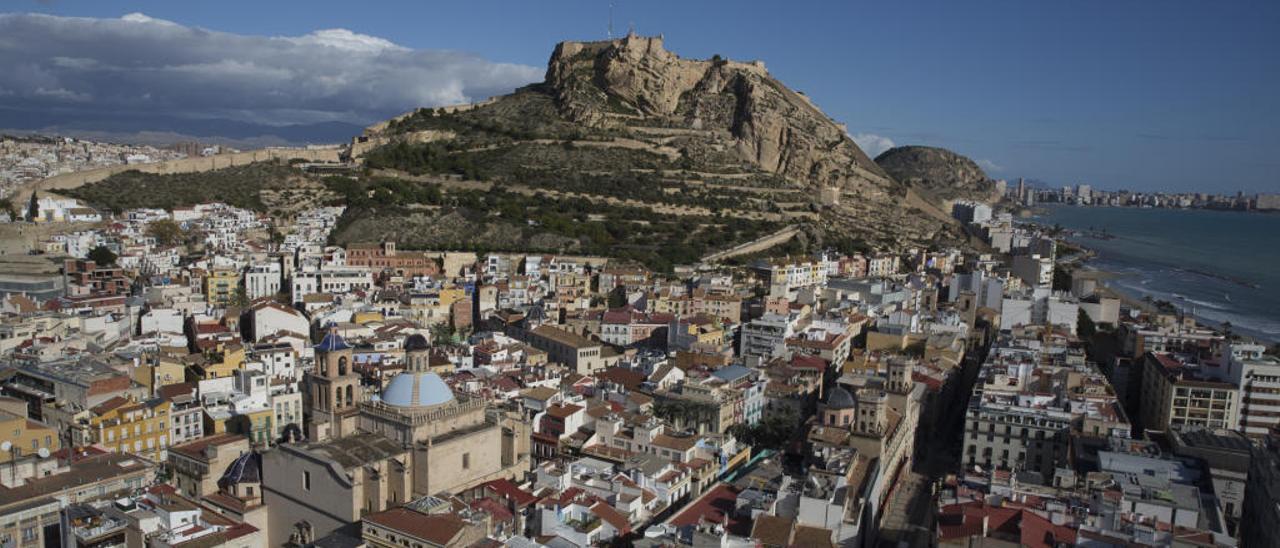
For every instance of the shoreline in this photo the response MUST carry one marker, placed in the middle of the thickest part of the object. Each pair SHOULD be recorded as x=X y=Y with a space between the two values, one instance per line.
x=1032 y=209
x=1129 y=299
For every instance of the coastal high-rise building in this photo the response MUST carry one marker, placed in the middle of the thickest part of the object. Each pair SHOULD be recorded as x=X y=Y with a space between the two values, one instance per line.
x=1084 y=193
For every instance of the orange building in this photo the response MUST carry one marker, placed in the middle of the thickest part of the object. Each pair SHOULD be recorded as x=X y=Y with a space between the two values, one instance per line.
x=385 y=257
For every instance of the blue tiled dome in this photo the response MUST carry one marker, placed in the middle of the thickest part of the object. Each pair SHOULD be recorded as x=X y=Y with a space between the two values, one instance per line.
x=417 y=389
x=840 y=399
x=332 y=342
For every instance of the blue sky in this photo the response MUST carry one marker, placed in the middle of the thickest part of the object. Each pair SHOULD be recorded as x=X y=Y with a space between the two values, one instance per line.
x=1140 y=95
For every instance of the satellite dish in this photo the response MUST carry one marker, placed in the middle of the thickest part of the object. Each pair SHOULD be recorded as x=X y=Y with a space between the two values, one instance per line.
x=43 y=452
x=6 y=446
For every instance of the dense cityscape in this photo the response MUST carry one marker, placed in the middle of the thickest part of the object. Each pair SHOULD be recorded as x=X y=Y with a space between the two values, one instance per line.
x=651 y=301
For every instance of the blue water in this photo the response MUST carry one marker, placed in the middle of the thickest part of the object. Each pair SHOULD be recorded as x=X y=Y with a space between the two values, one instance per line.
x=1223 y=266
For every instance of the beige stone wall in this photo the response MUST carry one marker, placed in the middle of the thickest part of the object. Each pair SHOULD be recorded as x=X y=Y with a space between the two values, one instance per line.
x=330 y=503
x=442 y=463
x=184 y=165
x=761 y=244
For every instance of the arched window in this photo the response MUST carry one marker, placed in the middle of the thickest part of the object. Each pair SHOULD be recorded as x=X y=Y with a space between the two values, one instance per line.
x=350 y=399
x=342 y=366
x=302 y=533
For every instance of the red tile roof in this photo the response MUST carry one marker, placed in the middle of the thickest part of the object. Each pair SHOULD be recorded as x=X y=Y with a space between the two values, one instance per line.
x=716 y=506
x=611 y=516
x=440 y=529
x=509 y=490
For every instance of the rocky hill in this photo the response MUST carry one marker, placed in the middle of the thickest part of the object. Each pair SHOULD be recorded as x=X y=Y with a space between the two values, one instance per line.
x=937 y=172
x=637 y=82
x=626 y=150
x=667 y=159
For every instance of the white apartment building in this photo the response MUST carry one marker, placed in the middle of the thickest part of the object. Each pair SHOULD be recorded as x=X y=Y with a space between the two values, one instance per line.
x=263 y=280
x=766 y=337
x=883 y=264
x=1257 y=377
x=1040 y=307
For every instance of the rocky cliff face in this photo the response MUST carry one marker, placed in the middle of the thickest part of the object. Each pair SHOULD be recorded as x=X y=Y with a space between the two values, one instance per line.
x=636 y=81
x=937 y=172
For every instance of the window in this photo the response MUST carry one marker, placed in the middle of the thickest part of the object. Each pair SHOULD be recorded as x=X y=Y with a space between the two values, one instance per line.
x=466 y=461
x=306 y=481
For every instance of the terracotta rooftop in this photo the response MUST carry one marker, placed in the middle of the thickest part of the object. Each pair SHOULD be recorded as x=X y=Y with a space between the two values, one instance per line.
x=195 y=449
x=439 y=529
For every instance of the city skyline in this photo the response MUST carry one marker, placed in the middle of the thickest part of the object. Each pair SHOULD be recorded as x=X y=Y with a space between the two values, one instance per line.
x=1149 y=98
x=472 y=276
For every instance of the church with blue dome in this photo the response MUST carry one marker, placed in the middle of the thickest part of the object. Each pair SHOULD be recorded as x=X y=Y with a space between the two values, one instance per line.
x=414 y=438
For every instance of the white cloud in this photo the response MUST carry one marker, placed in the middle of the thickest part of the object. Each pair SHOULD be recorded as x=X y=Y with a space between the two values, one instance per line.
x=989 y=166
x=61 y=64
x=872 y=144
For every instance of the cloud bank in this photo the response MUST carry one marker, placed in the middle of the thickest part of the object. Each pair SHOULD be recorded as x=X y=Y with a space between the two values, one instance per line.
x=872 y=144
x=65 y=68
x=989 y=166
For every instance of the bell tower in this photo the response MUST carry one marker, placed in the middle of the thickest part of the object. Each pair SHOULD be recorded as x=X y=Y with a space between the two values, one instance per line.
x=871 y=417
x=334 y=388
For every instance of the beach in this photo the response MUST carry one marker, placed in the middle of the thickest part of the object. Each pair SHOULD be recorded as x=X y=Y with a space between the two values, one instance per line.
x=1218 y=266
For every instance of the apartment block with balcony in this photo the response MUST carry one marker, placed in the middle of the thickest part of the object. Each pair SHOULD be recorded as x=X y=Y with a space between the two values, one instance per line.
x=1176 y=390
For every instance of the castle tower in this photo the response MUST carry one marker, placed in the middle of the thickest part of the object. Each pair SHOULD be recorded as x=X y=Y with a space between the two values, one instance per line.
x=334 y=389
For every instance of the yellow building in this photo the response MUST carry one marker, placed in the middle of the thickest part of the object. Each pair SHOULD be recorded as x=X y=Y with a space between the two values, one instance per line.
x=154 y=373
x=254 y=425
x=127 y=426
x=451 y=295
x=220 y=286
x=27 y=437
x=366 y=317
x=217 y=364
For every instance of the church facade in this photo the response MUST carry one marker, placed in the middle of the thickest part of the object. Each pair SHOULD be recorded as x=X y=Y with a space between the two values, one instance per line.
x=415 y=438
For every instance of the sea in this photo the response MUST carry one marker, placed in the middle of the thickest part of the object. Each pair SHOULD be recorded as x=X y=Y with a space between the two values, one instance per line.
x=1221 y=266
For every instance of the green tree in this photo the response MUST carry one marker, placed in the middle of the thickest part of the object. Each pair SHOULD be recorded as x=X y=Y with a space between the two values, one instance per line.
x=239 y=299
x=774 y=431
x=1085 y=328
x=442 y=334
x=33 y=207
x=102 y=256
x=618 y=297
x=1061 y=279
x=167 y=232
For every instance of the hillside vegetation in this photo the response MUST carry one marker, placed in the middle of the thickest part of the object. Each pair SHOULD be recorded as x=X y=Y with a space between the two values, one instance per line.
x=937 y=172
x=657 y=151
x=268 y=187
